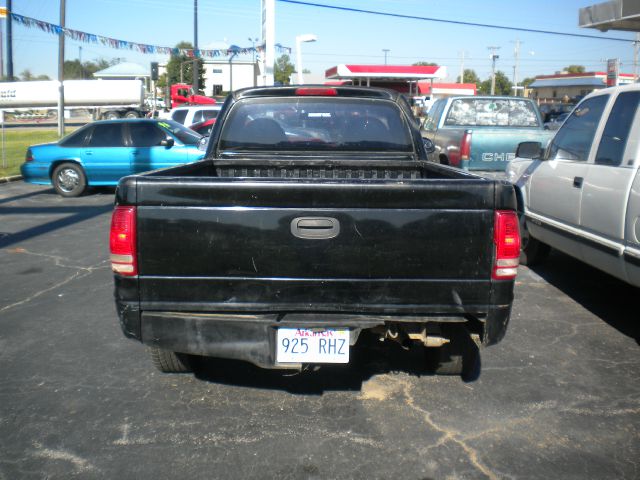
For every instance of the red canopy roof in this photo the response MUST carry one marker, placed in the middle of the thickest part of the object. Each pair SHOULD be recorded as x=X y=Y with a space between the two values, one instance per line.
x=409 y=72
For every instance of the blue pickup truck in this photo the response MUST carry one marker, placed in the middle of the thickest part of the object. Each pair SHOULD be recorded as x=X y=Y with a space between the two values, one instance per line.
x=482 y=133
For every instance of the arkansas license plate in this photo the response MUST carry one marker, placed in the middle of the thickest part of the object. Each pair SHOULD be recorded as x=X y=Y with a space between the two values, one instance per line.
x=304 y=345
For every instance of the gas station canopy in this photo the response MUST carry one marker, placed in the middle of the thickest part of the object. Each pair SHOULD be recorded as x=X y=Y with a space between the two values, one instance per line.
x=391 y=73
x=612 y=15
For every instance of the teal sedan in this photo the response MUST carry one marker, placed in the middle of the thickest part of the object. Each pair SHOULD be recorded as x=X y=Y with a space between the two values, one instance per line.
x=101 y=153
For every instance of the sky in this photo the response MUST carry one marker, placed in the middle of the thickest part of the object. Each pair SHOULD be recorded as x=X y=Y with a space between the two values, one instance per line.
x=343 y=36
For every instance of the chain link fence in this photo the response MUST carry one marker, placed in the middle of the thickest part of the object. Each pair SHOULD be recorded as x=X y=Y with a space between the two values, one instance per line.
x=20 y=130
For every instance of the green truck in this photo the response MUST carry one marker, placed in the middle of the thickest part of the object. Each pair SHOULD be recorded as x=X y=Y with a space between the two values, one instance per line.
x=481 y=133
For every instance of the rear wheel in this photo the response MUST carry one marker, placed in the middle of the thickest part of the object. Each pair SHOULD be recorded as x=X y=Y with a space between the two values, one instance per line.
x=111 y=116
x=170 y=362
x=131 y=114
x=69 y=180
x=532 y=251
x=460 y=356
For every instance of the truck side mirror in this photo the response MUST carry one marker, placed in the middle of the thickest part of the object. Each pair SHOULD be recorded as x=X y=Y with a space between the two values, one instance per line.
x=167 y=142
x=429 y=146
x=531 y=150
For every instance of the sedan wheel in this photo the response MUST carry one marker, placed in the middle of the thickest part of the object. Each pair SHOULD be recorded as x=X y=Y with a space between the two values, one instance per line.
x=69 y=180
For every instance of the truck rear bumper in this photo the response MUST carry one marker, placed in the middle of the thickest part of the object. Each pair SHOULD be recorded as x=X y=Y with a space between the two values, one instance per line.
x=252 y=338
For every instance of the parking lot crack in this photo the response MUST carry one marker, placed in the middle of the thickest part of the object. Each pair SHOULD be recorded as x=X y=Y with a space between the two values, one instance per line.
x=80 y=272
x=449 y=435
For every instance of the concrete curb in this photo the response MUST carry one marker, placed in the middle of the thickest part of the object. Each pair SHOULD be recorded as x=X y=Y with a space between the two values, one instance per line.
x=14 y=178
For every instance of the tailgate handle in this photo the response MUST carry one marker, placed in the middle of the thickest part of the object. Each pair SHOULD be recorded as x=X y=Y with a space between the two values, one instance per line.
x=315 y=228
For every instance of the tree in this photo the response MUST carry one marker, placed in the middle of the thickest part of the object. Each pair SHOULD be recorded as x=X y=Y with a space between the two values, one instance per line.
x=575 y=69
x=425 y=64
x=503 y=85
x=527 y=81
x=27 y=76
x=283 y=70
x=73 y=69
x=469 y=76
x=180 y=69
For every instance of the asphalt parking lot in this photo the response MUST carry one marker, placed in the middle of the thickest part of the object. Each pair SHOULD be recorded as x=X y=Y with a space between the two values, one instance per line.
x=558 y=398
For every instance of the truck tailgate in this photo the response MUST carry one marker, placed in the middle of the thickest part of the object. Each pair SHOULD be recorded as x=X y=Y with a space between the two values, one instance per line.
x=493 y=148
x=223 y=244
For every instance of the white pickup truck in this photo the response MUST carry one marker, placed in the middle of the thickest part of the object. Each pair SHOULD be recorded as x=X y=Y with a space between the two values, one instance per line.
x=581 y=194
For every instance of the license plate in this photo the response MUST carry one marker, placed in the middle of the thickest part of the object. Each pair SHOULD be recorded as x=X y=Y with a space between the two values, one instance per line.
x=305 y=345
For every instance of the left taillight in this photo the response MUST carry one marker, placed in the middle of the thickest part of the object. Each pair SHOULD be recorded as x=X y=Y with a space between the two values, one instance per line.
x=506 y=238
x=122 y=241
x=29 y=156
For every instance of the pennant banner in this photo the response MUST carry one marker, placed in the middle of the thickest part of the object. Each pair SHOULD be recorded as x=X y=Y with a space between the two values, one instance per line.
x=139 y=47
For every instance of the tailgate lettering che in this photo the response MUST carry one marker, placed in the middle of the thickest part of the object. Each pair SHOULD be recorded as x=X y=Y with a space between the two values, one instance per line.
x=498 y=157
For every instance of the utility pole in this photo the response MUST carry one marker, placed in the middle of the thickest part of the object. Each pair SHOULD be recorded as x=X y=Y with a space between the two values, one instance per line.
x=196 y=70
x=462 y=68
x=635 y=57
x=493 y=56
x=385 y=50
x=61 y=71
x=516 y=54
x=9 y=42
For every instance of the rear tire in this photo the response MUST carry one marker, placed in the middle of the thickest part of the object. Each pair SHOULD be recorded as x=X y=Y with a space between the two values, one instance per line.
x=69 y=179
x=458 y=357
x=111 y=116
x=532 y=251
x=131 y=114
x=170 y=362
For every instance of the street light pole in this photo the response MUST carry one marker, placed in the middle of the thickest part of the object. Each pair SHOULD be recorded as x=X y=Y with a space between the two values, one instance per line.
x=493 y=58
x=61 y=71
x=309 y=37
x=196 y=70
x=385 y=50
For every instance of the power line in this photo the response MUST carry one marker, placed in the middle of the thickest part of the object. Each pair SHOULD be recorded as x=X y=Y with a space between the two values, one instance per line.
x=455 y=22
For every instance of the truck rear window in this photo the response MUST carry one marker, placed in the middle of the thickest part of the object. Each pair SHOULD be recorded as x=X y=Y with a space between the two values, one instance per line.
x=316 y=124
x=494 y=112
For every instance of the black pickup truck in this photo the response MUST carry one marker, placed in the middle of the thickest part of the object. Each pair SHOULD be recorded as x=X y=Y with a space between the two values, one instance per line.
x=314 y=216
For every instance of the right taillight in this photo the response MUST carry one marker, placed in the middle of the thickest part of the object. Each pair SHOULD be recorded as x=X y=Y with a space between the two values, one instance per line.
x=506 y=238
x=122 y=241
x=465 y=146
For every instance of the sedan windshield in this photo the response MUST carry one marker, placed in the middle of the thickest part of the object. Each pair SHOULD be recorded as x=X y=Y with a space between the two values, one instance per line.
x=182 y=133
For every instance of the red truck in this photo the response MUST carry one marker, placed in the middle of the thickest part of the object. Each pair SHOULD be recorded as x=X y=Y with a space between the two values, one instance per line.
x=182 y=94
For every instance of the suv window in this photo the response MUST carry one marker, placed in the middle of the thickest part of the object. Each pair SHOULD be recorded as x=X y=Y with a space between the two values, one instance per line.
x=575 y=136
x=179 y=116
x=107 y=135
x=145 y=135
x=616 y=132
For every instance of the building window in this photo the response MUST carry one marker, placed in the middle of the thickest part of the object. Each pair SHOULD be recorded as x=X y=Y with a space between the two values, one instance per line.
x=554 y=94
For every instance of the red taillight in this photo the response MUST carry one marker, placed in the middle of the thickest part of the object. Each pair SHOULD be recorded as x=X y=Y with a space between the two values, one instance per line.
x=29 y=156
x=317 y=91
x=465 y=146
x=461 y=153
x=506 y=237
x=122 y=241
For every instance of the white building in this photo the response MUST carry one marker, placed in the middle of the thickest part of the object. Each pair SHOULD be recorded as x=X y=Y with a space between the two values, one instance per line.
x=224 y=76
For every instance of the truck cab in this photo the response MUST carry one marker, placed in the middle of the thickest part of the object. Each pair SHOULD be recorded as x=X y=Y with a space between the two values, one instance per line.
x=182 y=94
